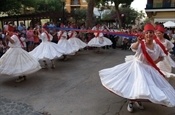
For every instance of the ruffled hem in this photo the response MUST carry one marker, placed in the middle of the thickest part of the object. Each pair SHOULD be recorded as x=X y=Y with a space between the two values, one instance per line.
x=135 y=80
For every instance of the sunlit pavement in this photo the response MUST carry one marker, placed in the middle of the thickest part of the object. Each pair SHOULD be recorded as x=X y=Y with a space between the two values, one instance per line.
x=72 y=88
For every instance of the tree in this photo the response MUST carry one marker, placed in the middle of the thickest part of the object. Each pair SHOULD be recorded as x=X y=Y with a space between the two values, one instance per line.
x=48 y=5
x=15 y=7
x=125 y=3
x=90 y=13
x=79 y=15
x=12 y=7
x=129 y=15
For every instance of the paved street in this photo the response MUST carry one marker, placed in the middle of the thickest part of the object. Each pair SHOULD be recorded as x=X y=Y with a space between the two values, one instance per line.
x=73 y=88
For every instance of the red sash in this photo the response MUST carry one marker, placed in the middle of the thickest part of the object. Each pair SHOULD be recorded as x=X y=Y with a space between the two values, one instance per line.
x=60 y=35
x=72 y=33
x=149 y=59
x=48 y=37
x=161 y=45
x=97 y=34
x=22 y=44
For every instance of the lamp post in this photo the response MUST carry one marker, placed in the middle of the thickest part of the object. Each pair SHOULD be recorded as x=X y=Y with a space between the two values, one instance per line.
x=123 y=20
x=100 y=10
x=63 y=15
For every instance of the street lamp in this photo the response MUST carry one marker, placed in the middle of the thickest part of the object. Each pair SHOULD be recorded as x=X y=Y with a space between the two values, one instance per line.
x=123 y=20
x=100 y=10
x=63 y=4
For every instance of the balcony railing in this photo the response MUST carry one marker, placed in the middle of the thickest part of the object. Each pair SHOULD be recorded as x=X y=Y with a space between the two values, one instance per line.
x=160 y=6
x=75 y=2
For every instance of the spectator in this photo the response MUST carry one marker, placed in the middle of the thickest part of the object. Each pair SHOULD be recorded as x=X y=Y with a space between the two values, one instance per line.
x=30 y=39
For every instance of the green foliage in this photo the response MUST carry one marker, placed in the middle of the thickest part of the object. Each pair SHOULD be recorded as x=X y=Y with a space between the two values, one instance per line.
x=130 y=15
x=124 y=3
x=49 y=5
x=12 y=7
x=80 y=14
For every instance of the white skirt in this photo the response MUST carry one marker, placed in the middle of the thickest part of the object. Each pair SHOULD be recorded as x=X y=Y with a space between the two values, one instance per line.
x=135 y=80
x=165 y=66
x=46 y=50
x=17 y=62
x=77 y=43
x=68 y=49
x=99 y=42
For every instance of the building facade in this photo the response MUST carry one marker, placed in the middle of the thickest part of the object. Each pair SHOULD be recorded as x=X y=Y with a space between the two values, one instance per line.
x=71 y=5
x=160 y=10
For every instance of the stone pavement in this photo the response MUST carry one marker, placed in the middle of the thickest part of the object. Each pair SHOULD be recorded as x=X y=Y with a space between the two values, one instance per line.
x=9 y=107
x=72 y=88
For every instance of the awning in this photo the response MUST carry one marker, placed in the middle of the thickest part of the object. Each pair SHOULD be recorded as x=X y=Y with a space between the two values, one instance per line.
x=169 y=24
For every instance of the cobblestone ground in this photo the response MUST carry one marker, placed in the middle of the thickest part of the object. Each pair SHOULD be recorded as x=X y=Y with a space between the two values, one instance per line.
x=9 y=107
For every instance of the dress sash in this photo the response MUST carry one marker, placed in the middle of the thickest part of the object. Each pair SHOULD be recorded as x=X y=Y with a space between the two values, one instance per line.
x=72 y=33
x=21 y=42
x=149 y=59
x=161 y=45
x=60 y=35
x=48 y=37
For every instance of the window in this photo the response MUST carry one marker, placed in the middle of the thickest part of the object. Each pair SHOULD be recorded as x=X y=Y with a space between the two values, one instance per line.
x=75 y=2
x=166 y=3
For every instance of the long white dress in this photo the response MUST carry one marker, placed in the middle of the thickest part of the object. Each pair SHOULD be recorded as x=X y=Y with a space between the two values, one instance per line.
x=136 y=79
x=99 y=40
x=167 y=64
x=46 y=49
x=16 y=61
x=68 y=49
x=76 y=42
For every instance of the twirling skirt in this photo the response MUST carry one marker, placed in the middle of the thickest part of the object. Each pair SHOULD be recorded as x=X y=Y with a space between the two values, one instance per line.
x=46 y=50
x=16 y=62
x=136 y=80
x=77 y=43
x=99 y=42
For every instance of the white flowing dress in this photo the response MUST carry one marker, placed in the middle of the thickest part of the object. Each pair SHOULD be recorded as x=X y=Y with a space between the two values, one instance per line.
x=68 y=49
x=167 y=64
x=16 y=61
x=46 y=49
x=136 y=79
x=76 y=42
x=99 y=41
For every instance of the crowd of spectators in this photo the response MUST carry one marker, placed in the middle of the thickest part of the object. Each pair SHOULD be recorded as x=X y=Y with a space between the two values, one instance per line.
x=31 y=39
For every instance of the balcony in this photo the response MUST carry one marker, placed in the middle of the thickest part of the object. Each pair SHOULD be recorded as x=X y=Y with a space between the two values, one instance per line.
x=160 y=6
x=75 y=3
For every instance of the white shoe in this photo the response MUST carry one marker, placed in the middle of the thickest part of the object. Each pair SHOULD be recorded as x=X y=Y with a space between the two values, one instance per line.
x=45 y=67
x=139 y=105
x=20 y=79
x=130 y=107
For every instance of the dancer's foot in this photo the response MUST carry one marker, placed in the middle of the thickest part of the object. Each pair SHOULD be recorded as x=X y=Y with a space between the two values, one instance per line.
x=139 y=105
x=130 y=107
x=45 y=66
x=24 y=77
x=20 y=79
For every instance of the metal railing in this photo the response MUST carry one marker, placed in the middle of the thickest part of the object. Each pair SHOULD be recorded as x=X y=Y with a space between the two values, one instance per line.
x=160 y=5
